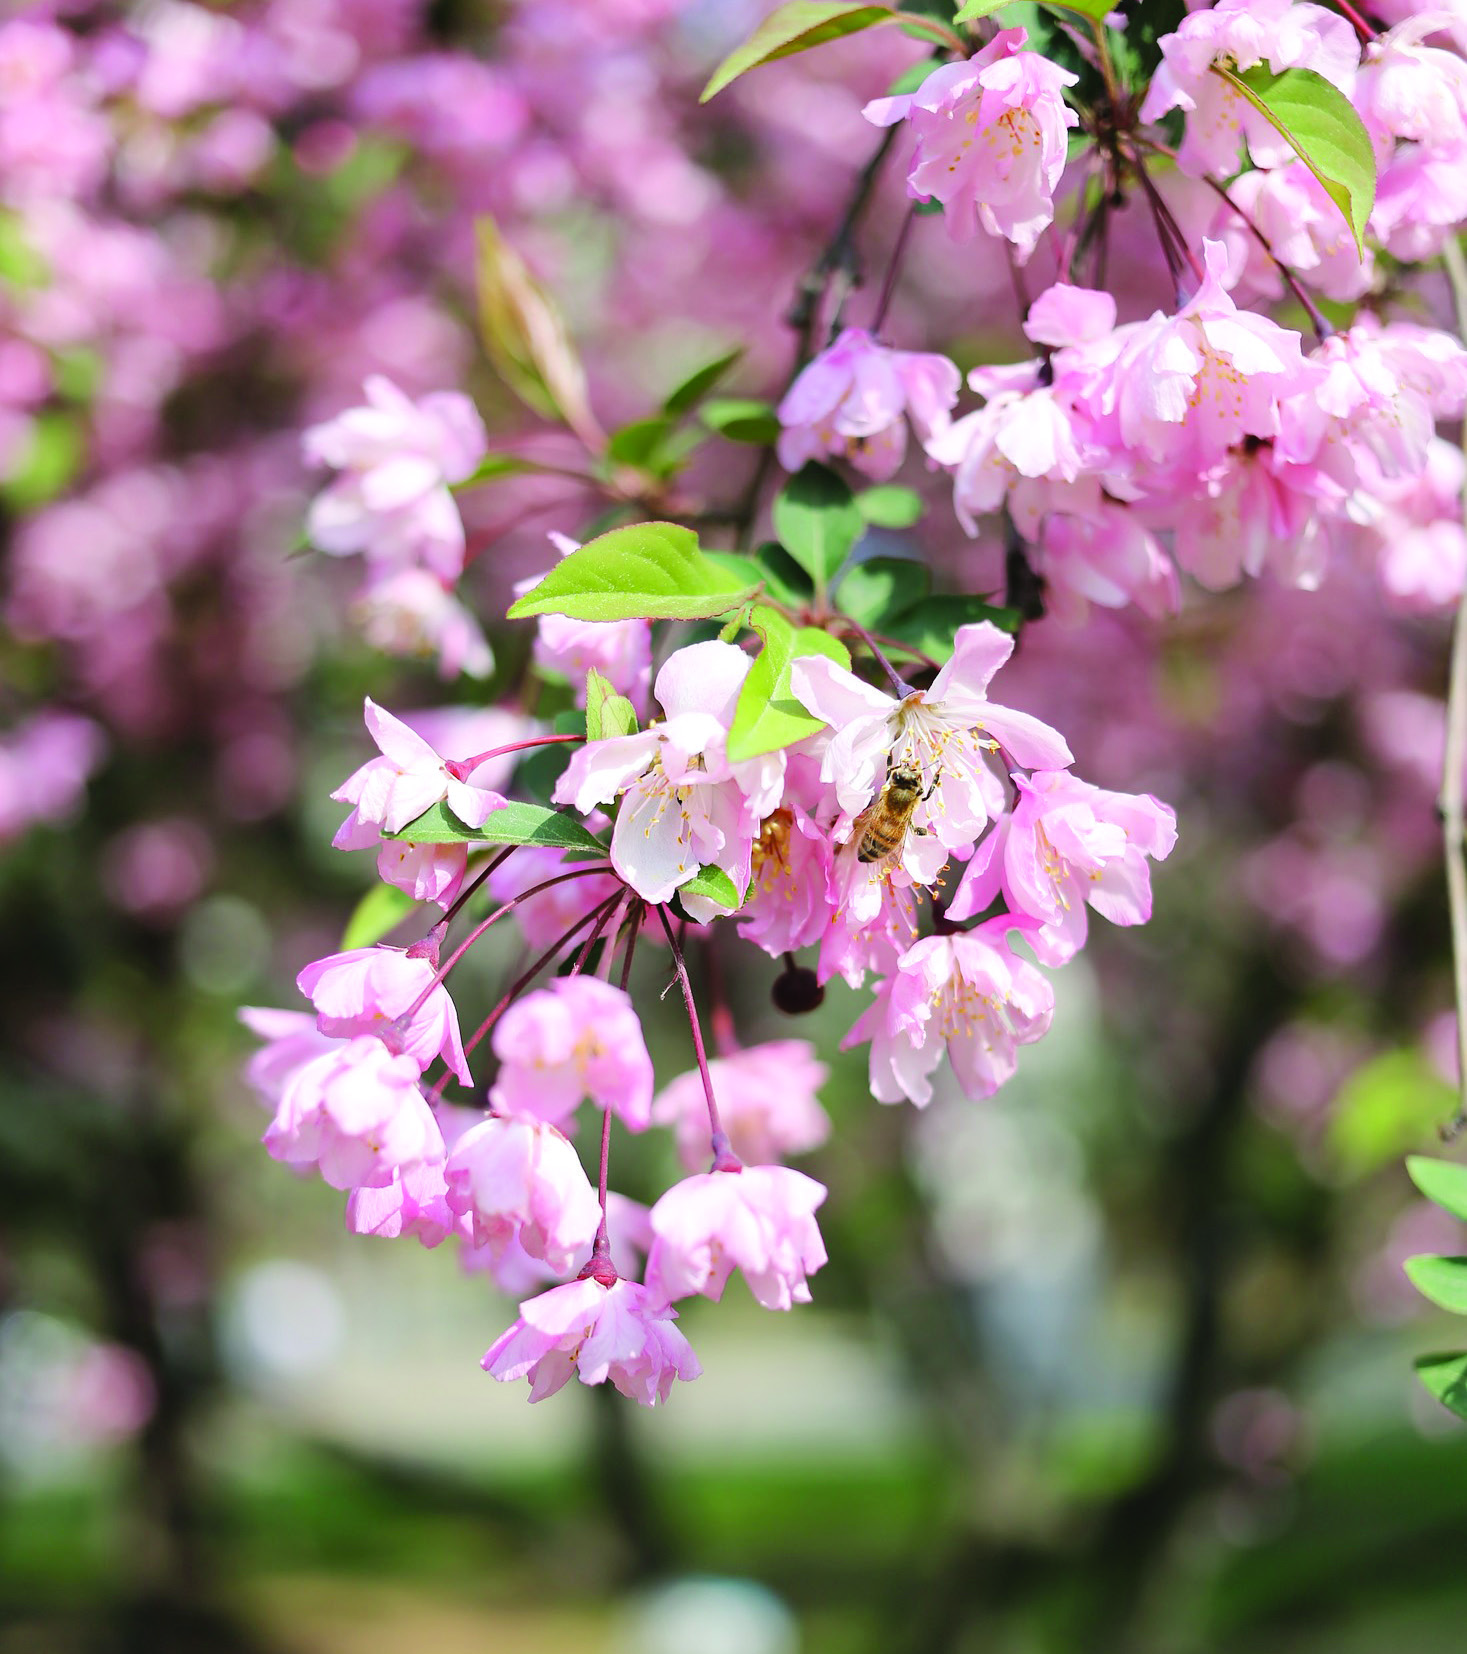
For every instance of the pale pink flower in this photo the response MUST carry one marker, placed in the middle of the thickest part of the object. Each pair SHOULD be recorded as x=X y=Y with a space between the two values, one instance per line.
x=1417 y=535
x=991 y=139
x=1109 y=558
x=968 y=996
x=1409 y=90
x=1252 y=512
x=1066 y=315
x=357 y=1114
x=852 y=402
x=760 y=1219
x=767 y=1104
x=410 y=777
x=620 y=650
x=788 y=905
x=684 y=805
x=1420 y=199
x=371 y=990
x=595 y=1332
x=411 y=612
x=576 y=1038
x=946 y=733
x=44 y=766
x=1067 y=844
x=292 y=1040
x=427 y=872
x=397 y=458
x=1242 y=34
x=1303 y=226
x=521 y=1178
x=874 y=917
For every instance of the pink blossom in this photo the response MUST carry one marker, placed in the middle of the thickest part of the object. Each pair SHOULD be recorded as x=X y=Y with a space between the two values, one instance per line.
x=576 y=1038
x=357 y=1114
x=850 y=403
x=410 y=777
x=371 y=990
x=1303 y=226
x=545 y=917
x=620 y=650
x=427 y=872
x=397 y=458
x=414 y=1204
x=521 y=1178
x=874 y=917
x=44 y=766
x=1065 y=845
x=991 y=139
x=595 y=1332
x=1109 y=558
x=411 y=612
x=685 y=806
x=1412 y=91
x=1253 y=511
x=945 y=733
x=787 y=906
x=292 y=1040
x=760 y=1219
x=967 y=995
x=1242 y=34
x=767 y=1104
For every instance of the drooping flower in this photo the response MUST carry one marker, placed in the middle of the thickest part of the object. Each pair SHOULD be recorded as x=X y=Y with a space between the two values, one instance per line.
x=396 y=458
x=685 y=806
x=853 y=400
x=576 y=1038
x=521 y=1179
x=767 y=1104
x=967 y=996
x=788 y=905
x=371 y=990
x=427 y=872
x=1067 y=844
x=411 y=612
x=595 y=1332
x=357 y=1114
x=945 y=733
x=1108 y=557
x=292 y=1040
x=620 y=650
x=760 y=1219
x=414 y=1204
x=991 y=139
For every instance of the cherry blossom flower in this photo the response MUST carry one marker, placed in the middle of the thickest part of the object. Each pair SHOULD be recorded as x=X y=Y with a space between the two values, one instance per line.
x=427 y=872
x=522 y=1178
x=874 y=916
x=760 y=1219
x=576 y=1038
x=371 y=991
x=1065 y=844
x=397 y=458
x=620 y=650
x=292 y=1040
x=685 y=806
x=945 y=733
x=356 y=1113
x=1303 y=226
x=852 y=400
x=966 y=995
x=413 y=1204
x=595 y=1332
x=991 y=139
x=1109 y=558
x=767 y=1104
x=412 y=612
x=787 y=906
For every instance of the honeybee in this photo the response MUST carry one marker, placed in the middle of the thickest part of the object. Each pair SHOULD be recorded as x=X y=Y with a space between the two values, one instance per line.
x=884 y=825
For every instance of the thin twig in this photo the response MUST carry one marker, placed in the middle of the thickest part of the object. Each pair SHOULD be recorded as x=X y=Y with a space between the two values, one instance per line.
x=723 y=1157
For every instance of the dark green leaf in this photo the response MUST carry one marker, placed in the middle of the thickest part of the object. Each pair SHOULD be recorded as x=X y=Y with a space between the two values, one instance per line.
x=817 y=521
x=1443 y=1181
x=1446 y=1377
x=889 y=505
x=512 y=824
x=767 y=716
x=716 y=885
x=379 y=913
x=1320 y=124
x=639 y=443
x=783 y=575
x=877 y=590
x=932 y=624
x=1443 y=1280
x=741 y=420
x=794 y=27
x=607 y=713
x=696 y=386
x=654 y=571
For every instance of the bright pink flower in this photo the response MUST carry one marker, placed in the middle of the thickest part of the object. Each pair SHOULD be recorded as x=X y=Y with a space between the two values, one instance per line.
x=521 y=1178
x=576 y=1038
x=409 y=778
x=991 y=139
x=427 y=872
x=620 y=650
x=767 y=1104
x=357 y=1114
x=1068 y=843
x=946 y=733
x=1252 y=512
x=760 y=1219
x=1420 y=199
x=1303 y=226
x=595 y=1332
x=967 y=995
x=292 y=1039
x=1417 y=532
x=1109 y=558
x=370 y=991
x=411 y=612
x=1243 y=33
x=413 y=1204
x=851 y=403
x=788 y=907
x=1066 y=315
x=685 y=806
x=397 y=458
x=874 y=917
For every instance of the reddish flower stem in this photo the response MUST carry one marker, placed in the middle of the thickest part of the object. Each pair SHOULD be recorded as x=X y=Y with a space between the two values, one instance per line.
x=462 y=768
x=1362 y=28
x=724 y=1159
x=902 y=687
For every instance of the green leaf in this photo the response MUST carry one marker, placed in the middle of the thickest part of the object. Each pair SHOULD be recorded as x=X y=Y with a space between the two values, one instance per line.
x=1443 y=1280
x=513 y=823
x=1446 y=1377
x=879 y=589
x=976 y=10
x=1443 y=1181
x=817 y=521
x=932 y=624
x=492 y=466
x=652 y=571
x=1321 y=126
x=51 y=457
x=716 y=885
x=639 y=443
x=741 y=420
x=607 y=713
x=794 y=27
x=696 y=386
x=767 y=716
x=1388 y=1105
x=379 y=912
x=786 y=580
x=888 y=505
x=20 y=264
